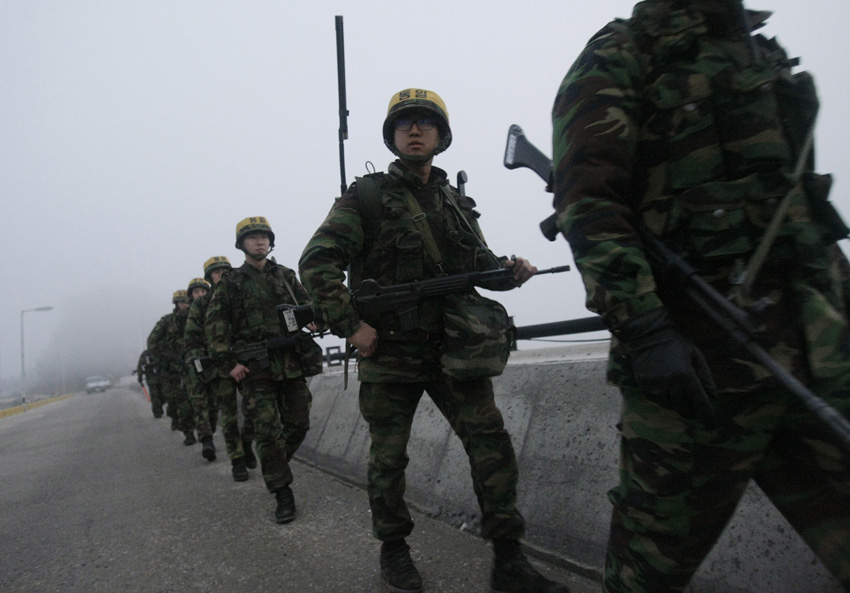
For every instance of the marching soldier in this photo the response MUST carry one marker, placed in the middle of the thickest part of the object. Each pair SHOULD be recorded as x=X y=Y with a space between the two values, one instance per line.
x=204 y=407
x=680 y=122
x=173 y=354
x=404 y=226
x=242 y=311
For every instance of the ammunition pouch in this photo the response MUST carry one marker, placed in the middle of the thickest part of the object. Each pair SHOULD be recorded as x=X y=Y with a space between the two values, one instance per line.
x=311 y=356
x=823 y=211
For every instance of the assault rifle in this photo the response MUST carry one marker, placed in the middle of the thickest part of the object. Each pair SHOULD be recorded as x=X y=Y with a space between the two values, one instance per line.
x=259 y=351
x=734 y=322
x=402 y=300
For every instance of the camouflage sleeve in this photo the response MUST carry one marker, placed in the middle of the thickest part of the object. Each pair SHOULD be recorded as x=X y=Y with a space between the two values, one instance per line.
x=156 y=338
x=173 y=337
x=218 y=327
x=595 y=121
x=193 y=334
x=336 y=243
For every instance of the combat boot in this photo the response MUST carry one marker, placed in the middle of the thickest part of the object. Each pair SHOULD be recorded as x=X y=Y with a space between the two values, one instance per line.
x=208 y=450
x=512 y=573
x=174 y=424
x=397 y=568
x=190 y=439
x=285 y=511
x=239 y=471
x=250 y=458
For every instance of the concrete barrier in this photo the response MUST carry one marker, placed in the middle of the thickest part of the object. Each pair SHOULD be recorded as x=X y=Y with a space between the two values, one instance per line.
x=35 y=401
x=562 y=418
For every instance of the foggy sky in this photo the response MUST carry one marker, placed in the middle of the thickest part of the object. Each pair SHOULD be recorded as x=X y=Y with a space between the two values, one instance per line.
x=135 y=135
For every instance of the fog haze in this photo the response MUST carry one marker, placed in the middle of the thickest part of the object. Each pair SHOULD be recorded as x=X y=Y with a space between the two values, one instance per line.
x=135 y=135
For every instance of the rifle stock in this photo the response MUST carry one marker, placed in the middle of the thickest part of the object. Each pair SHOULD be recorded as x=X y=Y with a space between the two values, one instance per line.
x=734 y=321
x=519 y=152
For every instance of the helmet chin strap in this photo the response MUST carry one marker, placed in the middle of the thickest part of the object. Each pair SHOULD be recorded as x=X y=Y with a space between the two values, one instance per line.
x=414 y=158
x=259 y=258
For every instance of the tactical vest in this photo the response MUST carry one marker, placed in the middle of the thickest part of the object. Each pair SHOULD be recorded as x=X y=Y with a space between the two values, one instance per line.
x=719 y=136
x=259 y=323
x=394 y=251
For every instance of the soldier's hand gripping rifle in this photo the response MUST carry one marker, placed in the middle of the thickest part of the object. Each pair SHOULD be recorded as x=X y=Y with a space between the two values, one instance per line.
x=734 y=322
x=402 y=301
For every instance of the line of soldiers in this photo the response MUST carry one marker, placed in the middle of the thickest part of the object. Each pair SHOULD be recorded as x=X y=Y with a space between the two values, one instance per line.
x=677 y=120
x=202 y=357
x=227 y=329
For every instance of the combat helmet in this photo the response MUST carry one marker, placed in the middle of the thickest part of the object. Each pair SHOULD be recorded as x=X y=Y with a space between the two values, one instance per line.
x=215 y=263
x=418 y=99
x=197 y=283
x=253 y=224
x=180 y=296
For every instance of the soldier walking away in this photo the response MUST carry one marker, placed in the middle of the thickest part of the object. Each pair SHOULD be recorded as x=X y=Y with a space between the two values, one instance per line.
x=222 y=386
x=242 y=312
x=158 y=349
x=147 y=373
x=203 y=403
x=681 y=122
x=403 y=226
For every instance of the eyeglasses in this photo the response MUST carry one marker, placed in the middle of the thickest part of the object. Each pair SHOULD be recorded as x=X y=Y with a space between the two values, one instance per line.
x=403 y=124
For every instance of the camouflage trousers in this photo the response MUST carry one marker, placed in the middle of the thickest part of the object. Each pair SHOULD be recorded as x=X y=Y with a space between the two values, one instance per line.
x=167 y=389
x=470 y=409
x=179 y=389
x=280 y=413
x=204 y=405
x=226 y=395
x=157 y=400
x=680 y=482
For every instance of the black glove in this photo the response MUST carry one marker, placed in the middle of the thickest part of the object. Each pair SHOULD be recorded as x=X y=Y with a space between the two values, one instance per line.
x=668 y=366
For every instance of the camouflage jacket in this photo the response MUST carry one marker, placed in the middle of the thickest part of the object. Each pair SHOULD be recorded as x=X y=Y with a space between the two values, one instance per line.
x=156 y=340
x=390 y=250
x=175 y=344
x=242 y=311
x=667 y=119
x=193 y=334
x=145 y=368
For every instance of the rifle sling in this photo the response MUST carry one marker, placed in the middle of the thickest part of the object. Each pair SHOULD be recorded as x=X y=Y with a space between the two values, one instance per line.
x=424 y=229
x=760 y=256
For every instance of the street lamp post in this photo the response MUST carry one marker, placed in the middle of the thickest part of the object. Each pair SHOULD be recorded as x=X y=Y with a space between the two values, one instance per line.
x=23 y=366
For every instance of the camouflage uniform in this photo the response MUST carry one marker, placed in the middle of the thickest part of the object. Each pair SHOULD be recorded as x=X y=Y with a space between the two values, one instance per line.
x=175 y=346
x=667 y=119
x=242 y=311
x=157 y=348
x=203 y=402
x=406 y=365
x=217 y=390
x=146 y=370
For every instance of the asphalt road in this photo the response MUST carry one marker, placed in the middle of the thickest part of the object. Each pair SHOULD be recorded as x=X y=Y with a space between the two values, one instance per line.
x=96 y=496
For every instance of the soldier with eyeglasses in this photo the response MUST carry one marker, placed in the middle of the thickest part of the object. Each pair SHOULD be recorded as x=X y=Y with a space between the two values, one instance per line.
x=407 y=225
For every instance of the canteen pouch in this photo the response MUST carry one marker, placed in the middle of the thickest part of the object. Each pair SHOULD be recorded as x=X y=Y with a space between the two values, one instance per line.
x=477 y=336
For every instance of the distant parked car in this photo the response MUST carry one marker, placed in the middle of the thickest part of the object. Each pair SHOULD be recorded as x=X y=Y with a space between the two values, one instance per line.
x=97 y=383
